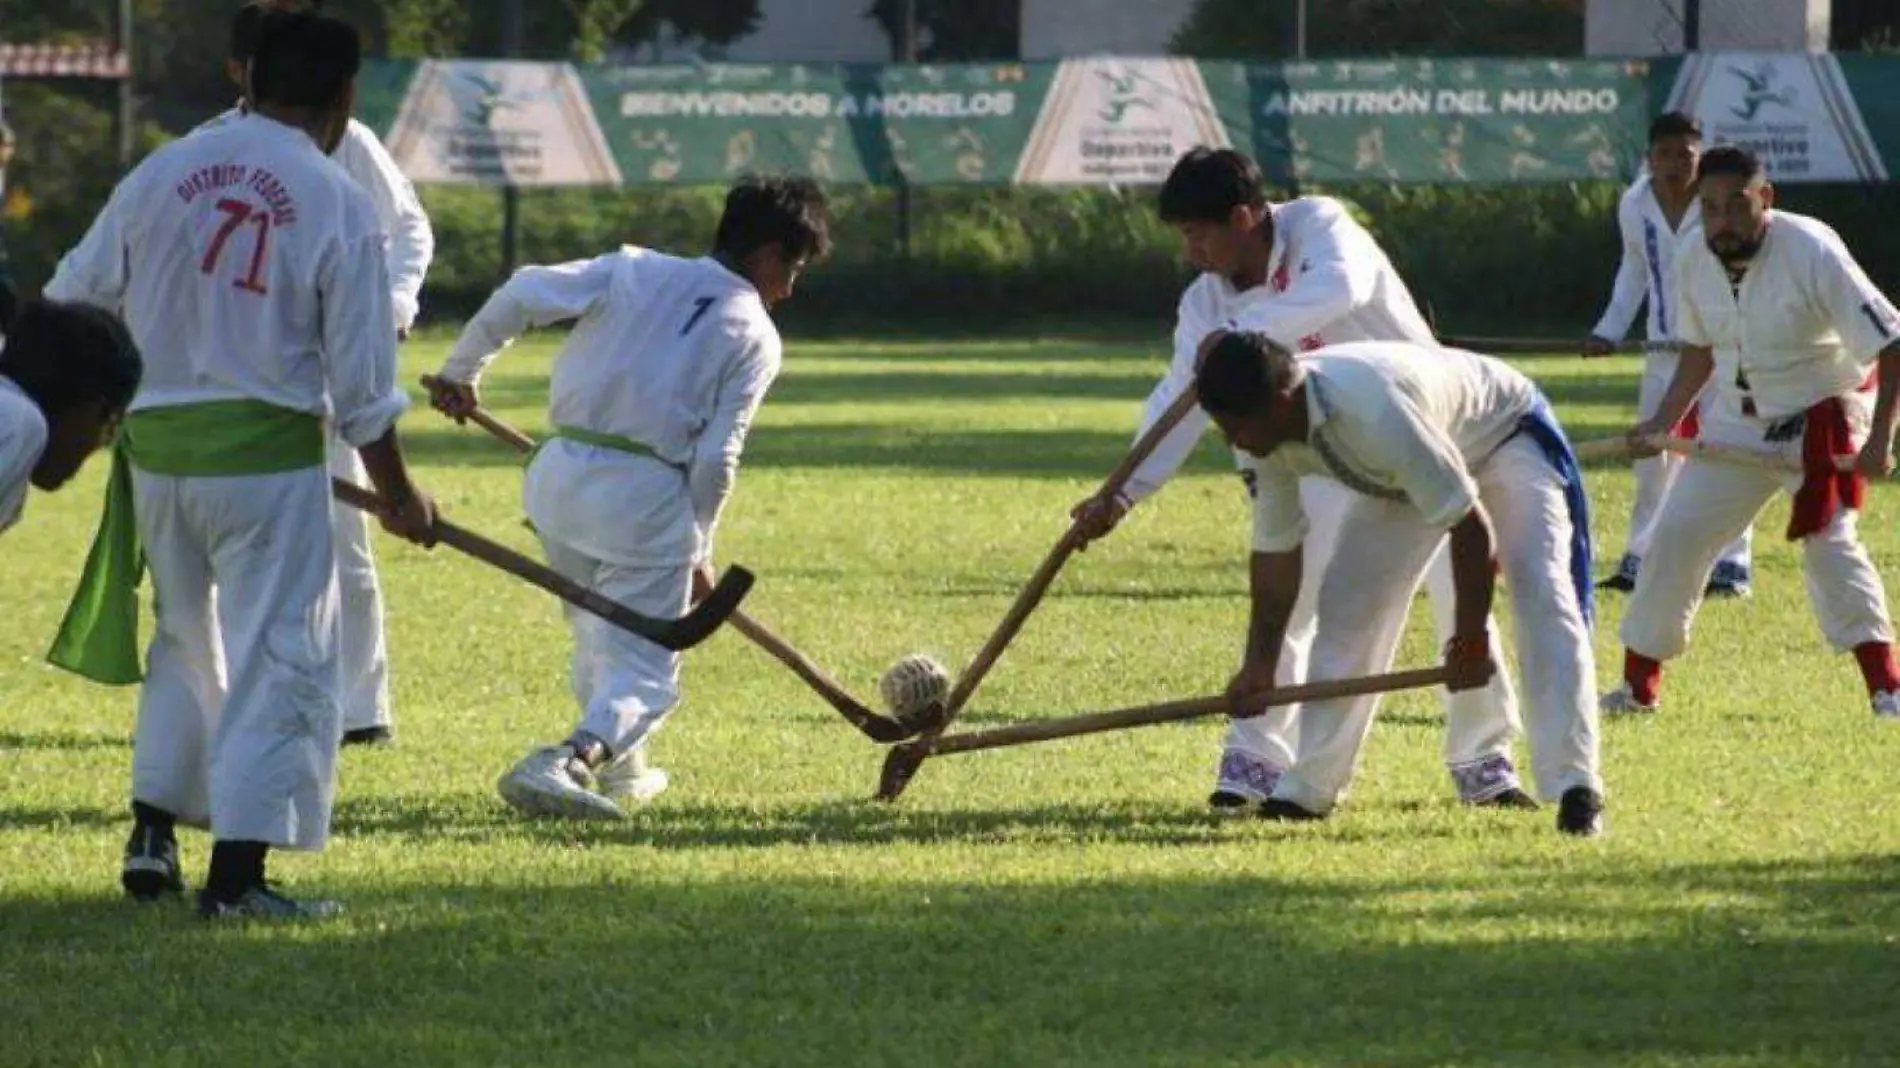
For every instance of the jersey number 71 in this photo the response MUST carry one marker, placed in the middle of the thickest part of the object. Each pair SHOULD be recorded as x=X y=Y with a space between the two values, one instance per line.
x=238 y=213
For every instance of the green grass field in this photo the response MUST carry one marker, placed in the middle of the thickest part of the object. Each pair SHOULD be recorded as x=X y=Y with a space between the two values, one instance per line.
x=1063 y=905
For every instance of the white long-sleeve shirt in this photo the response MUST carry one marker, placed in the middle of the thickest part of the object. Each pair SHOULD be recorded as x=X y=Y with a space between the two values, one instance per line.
x=1804 y=325
x=1328 y=282
x=22 y=440
x=409 y=242
x=1646 y=273
x=1392 y=420
x=674 y=354
x=247 y=265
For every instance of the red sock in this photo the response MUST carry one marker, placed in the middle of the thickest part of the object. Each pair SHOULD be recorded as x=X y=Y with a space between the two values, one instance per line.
x=1877 y=666
x=1643 y=675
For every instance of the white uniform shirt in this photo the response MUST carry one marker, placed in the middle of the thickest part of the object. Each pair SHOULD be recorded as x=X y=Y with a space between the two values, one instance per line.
x=408 y=239
x=1392 y=420
x=1328 y=282
x=22 y=440
x=1804 y=325
x=1646 y=274
x=674 y=354
x=247 y=265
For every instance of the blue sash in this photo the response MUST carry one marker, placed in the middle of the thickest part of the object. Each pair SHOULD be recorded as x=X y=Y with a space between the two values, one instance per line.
x=1540 y=425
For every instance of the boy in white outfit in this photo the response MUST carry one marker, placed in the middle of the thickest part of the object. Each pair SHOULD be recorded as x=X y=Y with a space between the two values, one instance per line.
x=1657 y=217
x=409 y=244
x=1305 y=274
x=67 y=371
x=251 y=271
x=650 y=403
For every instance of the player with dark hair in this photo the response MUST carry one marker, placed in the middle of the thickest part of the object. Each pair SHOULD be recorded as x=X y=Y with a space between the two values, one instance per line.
x=67 y=372
x=1793 y=351
x=652 y=397
x=1432 y=445
x=251 y=273
x=409 y=244
x=1304 y=273
x=1657 y=217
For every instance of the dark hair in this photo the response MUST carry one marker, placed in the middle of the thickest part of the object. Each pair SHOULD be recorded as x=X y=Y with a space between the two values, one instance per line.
x=1207 y=184
x=1242 y=373
x=789 y=212
x=245 y=23
x=64 y=355
x=1730 y=159
x=303 y=60
x=1674 y=124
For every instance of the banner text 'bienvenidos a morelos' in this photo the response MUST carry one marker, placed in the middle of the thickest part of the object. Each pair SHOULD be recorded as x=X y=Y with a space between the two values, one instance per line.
x=1120 y=121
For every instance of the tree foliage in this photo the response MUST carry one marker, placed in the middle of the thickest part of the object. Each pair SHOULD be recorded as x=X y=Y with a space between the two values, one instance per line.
x=956 y=30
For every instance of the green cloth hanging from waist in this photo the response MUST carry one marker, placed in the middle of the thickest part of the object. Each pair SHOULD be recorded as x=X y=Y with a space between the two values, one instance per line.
x=99 y=637
x=614 y=442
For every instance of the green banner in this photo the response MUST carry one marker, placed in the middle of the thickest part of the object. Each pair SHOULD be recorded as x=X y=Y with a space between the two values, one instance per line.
x=1110 y=120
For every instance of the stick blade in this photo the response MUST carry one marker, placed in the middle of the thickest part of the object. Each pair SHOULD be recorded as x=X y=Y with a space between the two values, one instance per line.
x=881 y=729
x=900 y=766
x=709 y=614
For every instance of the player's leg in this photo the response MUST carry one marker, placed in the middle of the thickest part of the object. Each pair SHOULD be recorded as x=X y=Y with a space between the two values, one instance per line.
x=182 y=695
x=1709 y=505
x=1480 y=724
x=1258 y=750
x=1654 y=476
x=363 y=652
x=1532 y=525
x=636 y=683
x=1850 y=603
x=554 y=780
x=1364 y=598
x=273 y=769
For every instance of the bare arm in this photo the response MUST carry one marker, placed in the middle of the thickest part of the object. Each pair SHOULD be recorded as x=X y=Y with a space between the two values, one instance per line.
x=1694 y=368
x=1274 y=581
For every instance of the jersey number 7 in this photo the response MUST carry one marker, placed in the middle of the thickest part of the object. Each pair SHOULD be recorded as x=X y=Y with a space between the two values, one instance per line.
x=239 y=213
x=699 y=312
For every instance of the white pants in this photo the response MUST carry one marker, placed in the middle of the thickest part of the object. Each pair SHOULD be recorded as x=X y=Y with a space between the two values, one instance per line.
x=1479 y=724
x=625 y=684
x=1656 y=475
x=1710 y=502
x=238 y=723
x=1382 y=549
x=363 y=654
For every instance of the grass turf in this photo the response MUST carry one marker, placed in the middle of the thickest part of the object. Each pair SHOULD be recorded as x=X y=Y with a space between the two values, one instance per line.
x=1065 y=904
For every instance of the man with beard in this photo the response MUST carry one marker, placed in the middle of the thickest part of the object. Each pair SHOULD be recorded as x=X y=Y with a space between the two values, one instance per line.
x=1790 y=337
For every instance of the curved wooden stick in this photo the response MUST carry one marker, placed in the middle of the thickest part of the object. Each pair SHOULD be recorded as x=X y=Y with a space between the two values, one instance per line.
x=675 y=634
x=881 y=729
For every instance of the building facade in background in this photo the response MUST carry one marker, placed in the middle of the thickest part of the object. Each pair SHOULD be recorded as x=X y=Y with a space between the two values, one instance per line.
x=1654 y=27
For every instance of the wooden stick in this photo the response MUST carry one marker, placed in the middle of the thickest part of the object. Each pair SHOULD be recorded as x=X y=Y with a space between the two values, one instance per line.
x=675 y=634
x=1605 y=448
x=1038 y=585
x=881 y=729
x=904 y=760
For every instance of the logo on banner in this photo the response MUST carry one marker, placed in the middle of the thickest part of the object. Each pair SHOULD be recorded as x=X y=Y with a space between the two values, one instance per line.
x=1119 y=122
x=500 y=123
x=1796 y=112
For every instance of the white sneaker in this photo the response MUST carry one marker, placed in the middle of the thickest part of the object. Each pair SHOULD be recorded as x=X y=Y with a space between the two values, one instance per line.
x=552 y=781
x=1621 y=702
x=630 y=779
x=1887 y=705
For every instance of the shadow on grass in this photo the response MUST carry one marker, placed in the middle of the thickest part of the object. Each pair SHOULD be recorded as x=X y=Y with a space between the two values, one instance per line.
x=1518 y=965
x=68 y=741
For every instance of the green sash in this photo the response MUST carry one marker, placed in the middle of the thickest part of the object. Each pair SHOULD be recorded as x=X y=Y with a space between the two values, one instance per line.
x=610 y=441
x=216 y=439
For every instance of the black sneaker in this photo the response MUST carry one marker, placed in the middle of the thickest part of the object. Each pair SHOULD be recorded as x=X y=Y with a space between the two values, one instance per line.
x=377 y=736
x=1624 y=581
x=1512 y=798
x=263 y=902
x=1274 y=808
x=1229 y=803
x=1580 y=812
x=1728 y=580
x=150 y=870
